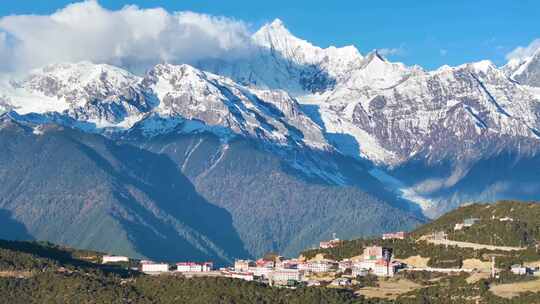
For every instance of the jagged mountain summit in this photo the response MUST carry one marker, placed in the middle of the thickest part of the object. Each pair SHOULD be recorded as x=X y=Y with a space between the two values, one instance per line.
x=446 y=122
x=525 y=70
x=100 y=97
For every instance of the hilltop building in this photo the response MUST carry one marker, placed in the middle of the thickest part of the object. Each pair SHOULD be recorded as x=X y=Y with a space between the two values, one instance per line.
x=194 y=267
x=114 y=259
x=470 y=222
x=465 y=224
x=329 y=244
x=154 y=268
x=400 y=235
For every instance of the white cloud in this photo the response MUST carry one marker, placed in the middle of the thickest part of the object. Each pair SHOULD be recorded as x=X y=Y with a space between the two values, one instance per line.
x=522 y=52
x=131 y=37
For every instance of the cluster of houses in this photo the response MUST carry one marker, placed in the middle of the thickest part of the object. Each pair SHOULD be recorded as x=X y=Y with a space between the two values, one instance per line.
x=277 y=270
x=375 y=260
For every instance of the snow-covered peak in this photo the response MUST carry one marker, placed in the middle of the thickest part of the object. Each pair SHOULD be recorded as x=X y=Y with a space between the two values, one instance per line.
x=276 y=35
x=336 y=61
x=376 y=72
x=484 y=66
x=525 y=70
x=78 y=83
x=102 y=97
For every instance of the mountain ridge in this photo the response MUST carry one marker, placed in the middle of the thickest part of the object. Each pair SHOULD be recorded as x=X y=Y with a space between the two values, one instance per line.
x=330 y=123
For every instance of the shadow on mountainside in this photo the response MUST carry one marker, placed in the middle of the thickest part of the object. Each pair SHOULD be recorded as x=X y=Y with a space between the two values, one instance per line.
x=11 y=228
x=164 y=216
x=356 y=169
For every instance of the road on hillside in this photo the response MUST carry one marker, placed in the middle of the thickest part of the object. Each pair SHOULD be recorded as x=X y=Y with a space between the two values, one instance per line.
x=471 y=245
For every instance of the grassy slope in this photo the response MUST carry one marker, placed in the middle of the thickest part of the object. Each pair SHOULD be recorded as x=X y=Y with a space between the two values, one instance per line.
x=527 y=223
x=523 y=231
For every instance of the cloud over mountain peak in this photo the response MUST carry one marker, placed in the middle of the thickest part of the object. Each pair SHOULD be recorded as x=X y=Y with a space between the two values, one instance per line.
x=131 y=37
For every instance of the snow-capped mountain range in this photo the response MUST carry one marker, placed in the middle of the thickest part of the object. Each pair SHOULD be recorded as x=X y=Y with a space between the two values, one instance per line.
x=292 y=94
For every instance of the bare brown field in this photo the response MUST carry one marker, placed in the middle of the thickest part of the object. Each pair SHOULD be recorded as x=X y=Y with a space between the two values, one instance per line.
x=514 y=289
x=389 y=289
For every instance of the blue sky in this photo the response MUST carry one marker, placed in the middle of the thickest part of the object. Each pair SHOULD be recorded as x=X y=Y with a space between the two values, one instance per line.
x=428 y=33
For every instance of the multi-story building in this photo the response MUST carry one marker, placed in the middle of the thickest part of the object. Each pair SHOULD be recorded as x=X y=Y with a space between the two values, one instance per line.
x=285 y=275
x=319 y=266
x=150 y=267
x=373 y=253
x=243 y=265
x=194 y=267
x=378 y=267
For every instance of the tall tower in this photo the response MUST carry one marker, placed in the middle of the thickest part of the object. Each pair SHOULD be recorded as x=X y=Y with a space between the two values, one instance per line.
x=493 y=270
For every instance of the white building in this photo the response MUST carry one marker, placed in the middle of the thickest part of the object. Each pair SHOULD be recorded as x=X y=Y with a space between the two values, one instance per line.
x=242 y=275
x=319 y=266
x=154 y=267
x=377 y=267
x=329 y=244
x=194 y=267
x=344 y=265
x=458 y=226
x=341 y=282
x=400 y=235
x=114 y=259
x=243 y=265
x=284 y=275
x=381 y=269
x=359 y=271
x=470 y=222
x=519 y=269
x=261 y=271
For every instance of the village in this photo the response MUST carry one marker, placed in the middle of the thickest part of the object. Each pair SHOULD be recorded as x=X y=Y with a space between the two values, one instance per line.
x=275 y=270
